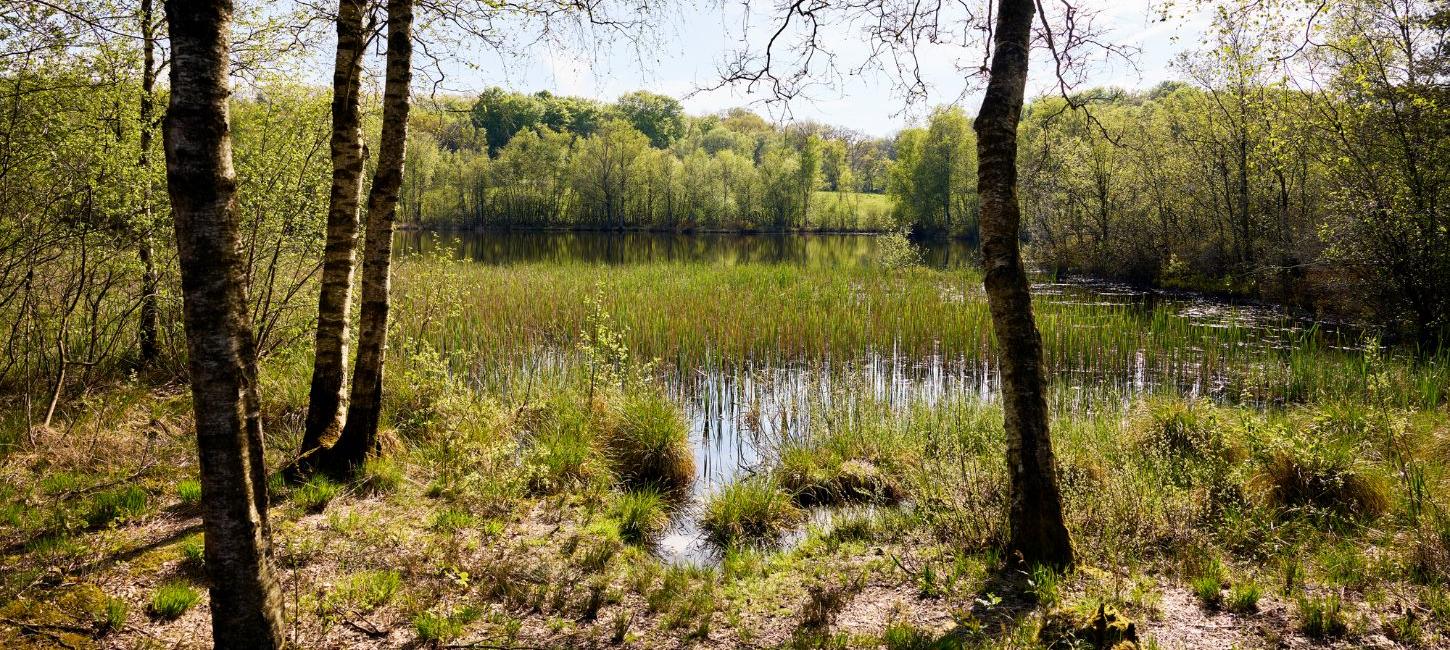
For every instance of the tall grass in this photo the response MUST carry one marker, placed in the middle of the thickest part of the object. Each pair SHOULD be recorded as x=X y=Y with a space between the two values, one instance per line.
x=693 y=316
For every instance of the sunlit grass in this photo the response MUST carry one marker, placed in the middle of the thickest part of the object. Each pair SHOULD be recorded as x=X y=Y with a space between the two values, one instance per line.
x=693 y=315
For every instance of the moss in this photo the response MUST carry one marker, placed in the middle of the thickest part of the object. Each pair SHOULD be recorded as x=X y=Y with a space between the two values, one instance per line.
x=1100 y=627
x=58 y=617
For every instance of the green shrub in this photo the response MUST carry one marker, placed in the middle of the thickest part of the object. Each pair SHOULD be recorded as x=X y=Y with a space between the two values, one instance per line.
x=172 y=599
x=647 y=442
x=641 y=514
x=314 y=495
x=189 y=491
x=117 y=505
x=752 y=510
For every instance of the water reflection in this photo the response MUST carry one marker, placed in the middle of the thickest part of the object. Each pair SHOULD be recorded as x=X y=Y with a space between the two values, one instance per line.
x=824 y=250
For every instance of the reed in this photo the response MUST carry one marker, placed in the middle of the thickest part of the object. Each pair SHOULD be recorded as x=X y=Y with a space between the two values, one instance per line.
x=691 y=316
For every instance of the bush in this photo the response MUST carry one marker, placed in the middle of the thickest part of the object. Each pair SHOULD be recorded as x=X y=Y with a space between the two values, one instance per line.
x=1320 y=478
x=641 y=514
x=172 y=599
x=646 y=440
x=753 y=510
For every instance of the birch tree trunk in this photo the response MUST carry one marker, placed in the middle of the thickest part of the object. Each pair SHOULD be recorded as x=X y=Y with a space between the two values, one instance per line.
x=1038 y=532
x=150 y=283
x=245 y=601
x=329 y=368
x=360 y=432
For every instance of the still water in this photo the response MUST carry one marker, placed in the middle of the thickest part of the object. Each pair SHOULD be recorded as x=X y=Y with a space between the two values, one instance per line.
x=740 y=413
x=646 y=248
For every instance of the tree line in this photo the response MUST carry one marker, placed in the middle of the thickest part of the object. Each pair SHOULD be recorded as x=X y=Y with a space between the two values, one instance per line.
x=513 y=160
x=1321 y=185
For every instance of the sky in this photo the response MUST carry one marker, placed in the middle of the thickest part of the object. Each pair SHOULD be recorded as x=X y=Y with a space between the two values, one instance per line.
x=690 y=43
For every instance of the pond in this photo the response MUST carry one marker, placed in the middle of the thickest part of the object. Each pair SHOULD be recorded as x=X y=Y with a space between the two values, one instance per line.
x=740 y=411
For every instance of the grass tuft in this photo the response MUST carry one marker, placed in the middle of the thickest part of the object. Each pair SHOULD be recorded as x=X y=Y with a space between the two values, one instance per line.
x=189 y=491
x=119 y=505
x=172 y=599
x=381 y=474
x=753 y=510
x=1243 y=597
x=646 y=439
x=1318 y=478
x=314 y=495
x=642 y=515
x=1322 y=617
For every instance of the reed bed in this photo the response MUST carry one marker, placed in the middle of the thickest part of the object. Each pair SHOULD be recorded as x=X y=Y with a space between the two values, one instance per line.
x=693 y=316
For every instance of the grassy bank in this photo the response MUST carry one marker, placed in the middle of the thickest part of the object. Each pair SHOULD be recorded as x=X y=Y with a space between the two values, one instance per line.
x=505 y=521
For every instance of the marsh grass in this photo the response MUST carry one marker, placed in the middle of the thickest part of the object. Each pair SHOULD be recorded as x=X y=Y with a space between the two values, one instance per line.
x=642 y=515
x=646 y=439
x=750 y=511
x=696 y=315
